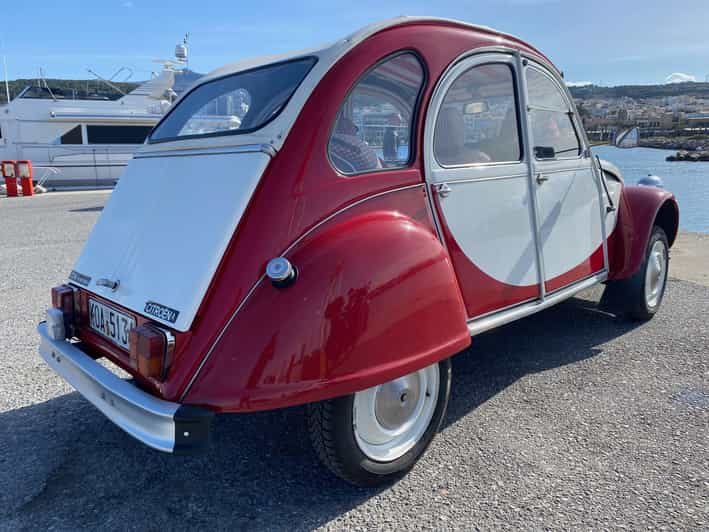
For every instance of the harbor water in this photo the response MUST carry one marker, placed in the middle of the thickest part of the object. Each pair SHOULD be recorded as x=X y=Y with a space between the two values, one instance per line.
x=689 y=181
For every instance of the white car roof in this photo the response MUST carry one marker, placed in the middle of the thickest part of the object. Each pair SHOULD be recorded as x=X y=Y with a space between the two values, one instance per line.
x=274 y=133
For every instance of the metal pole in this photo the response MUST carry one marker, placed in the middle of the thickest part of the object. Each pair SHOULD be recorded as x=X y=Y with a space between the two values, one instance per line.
x=4 y=64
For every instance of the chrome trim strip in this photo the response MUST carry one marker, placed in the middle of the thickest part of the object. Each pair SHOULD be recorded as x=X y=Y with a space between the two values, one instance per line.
x=528 y=142
x=502 y=309
x=211 y=349
x=186 y=152
x=479 y=325
x=146 y=418
x=493 y=178
x=476 y=165
x=561 y=170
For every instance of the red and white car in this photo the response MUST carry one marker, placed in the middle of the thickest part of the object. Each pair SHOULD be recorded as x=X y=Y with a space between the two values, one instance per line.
x=330 y=227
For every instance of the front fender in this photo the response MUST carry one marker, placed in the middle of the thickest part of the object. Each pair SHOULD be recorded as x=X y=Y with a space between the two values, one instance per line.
x=375 y=298
x=639 y=209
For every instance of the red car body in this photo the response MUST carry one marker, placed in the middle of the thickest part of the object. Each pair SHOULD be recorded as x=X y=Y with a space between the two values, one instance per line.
x=383 y=288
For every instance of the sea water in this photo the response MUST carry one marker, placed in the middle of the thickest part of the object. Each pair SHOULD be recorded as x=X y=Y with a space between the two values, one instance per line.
x=688 y=181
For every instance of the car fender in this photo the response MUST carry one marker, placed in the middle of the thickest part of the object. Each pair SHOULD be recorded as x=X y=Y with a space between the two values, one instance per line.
x=375 y=298
x=639 y=209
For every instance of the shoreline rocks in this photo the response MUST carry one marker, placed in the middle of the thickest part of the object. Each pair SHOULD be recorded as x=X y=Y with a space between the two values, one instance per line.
x=675 y=143
x=689 y=156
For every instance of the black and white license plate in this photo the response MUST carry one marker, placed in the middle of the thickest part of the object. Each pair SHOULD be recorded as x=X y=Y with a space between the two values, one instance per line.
x=110 y=323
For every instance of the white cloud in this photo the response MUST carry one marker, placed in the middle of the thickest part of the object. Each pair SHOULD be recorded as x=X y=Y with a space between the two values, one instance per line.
x=679 y=77
x=578 y=83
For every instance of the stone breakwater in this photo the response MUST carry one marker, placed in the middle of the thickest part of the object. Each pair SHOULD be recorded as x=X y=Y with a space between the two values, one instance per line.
x=674 y=143
x=690 y=156
x=688 y=149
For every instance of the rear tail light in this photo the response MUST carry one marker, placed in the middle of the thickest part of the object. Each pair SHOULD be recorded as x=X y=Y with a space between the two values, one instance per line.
x=8 y=169
x=64 y=298
x=151 y=347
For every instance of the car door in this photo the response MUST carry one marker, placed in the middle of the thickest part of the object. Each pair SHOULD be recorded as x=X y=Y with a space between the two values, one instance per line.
x=477 y=170
x=567 y=192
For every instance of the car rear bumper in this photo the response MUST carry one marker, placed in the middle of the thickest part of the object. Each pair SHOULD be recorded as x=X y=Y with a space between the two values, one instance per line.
x=163 y=425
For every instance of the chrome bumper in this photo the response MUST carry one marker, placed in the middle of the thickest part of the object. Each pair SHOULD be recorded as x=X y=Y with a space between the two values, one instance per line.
x=162 y=425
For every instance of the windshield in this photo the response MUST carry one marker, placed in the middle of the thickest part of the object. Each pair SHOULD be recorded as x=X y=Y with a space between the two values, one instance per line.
x=239 y=103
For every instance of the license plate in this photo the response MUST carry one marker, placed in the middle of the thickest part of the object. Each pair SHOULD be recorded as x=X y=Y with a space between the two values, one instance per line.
x=110 y=323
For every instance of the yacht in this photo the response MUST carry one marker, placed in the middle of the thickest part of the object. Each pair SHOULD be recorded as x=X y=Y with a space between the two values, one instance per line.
x=77 y=140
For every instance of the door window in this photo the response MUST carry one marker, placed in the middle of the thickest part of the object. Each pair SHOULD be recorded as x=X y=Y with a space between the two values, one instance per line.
x=374 y=129
x=477 y=122
x=553 y=131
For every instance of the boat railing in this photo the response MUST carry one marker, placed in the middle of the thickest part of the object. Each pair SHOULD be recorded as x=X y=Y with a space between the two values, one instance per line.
x=46 y=173
x=62 y=151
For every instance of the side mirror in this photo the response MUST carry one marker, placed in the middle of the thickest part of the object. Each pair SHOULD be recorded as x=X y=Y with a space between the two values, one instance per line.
x=544 y=152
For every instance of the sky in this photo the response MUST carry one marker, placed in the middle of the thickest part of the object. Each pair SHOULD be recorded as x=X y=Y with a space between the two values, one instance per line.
x=601 y=41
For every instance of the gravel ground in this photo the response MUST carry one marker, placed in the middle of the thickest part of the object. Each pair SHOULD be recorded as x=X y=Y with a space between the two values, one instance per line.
x=569 y=419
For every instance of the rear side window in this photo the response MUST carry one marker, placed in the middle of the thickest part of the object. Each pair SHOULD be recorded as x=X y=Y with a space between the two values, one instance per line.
x=375 y=125
x=116 y=134
x=477 y=122
x=239 y=103
x=553 y=131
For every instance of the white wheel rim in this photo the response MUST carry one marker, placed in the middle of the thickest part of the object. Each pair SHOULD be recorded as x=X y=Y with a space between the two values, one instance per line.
x=655 y=274
x=391 y=418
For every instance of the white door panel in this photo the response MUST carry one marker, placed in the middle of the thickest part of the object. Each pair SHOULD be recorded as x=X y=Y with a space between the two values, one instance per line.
x=491 y=222
x=570 y=223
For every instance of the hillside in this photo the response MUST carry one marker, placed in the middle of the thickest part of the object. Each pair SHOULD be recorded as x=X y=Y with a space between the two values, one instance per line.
x=96 y=88
x=93 y=88
x=641 y=91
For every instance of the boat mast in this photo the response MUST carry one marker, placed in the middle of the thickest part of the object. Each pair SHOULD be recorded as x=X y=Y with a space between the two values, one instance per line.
x=4 y=65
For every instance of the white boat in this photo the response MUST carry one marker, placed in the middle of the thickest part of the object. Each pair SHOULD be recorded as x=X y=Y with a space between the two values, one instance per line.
x=628 y=139
x=83 y=141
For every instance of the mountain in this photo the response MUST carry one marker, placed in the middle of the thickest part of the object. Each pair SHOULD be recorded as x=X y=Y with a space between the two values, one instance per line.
x=586 y=92
x=97 y=89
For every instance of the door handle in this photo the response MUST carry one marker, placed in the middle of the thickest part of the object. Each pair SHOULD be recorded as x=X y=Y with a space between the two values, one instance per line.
x=541 y=179
x=443 y=190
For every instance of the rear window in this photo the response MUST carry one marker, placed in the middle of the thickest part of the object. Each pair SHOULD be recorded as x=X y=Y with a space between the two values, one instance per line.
x=240 y=103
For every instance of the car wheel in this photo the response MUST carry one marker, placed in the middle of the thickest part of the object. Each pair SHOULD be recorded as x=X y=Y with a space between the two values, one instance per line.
x=640 y=295
x=374 y=436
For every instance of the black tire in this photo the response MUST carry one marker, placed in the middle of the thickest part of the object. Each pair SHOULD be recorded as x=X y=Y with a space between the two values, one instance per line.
x=628 y=296
x=330 y=424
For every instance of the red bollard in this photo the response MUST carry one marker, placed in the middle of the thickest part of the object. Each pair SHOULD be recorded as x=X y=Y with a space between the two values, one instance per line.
x=10 y=175
x=23 y=170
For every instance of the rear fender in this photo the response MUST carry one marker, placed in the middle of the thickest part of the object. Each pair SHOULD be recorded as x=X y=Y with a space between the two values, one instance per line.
x=639 y=209
x=375 y=298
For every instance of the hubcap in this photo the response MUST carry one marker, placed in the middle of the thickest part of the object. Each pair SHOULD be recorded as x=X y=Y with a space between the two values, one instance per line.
x=655 y=274
x=390 y=418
